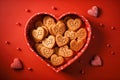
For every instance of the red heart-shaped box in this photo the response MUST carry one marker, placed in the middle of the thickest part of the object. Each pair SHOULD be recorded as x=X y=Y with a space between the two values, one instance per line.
x=30 y=26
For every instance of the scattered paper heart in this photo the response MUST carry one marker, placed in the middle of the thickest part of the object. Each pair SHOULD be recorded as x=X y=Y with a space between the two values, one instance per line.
x=96 y=61
x=16 y=64
x=93 y=11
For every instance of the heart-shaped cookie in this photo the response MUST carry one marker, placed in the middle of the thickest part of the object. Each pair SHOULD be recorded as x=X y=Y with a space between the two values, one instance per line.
x=96 y=61
x=47 y=21
x=61 y=40
x=49 y=42
x=17 y=64
x=74 y=24
x=81 y=34
x=65 y=51
x=76 y=45
x=46 y=52
x=56 y=60
x=38 y=34
x=70 y=34
x=58 y=28
x=93 y=11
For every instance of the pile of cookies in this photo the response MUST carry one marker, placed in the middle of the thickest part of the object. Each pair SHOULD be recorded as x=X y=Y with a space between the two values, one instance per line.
x=58 y=40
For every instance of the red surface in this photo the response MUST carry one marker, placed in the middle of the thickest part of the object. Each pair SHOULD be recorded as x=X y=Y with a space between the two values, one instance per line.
x=14 y=11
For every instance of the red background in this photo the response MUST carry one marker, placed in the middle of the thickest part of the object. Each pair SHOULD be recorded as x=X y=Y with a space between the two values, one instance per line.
x=12 y=11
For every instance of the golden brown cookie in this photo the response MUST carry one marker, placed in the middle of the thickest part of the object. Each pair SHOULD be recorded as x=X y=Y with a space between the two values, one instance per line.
x=49 y=42
x=56 y=60
x=46 y=52
x=61 y=40
x=47 y=21
x=74 y=24
x=76 y=45
x=38 y=34
x=81 y=34
x=58 y=28
x=65 y=51
x=70 y=34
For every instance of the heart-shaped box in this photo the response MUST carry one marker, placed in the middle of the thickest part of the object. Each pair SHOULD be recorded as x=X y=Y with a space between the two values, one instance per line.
x=39 y=16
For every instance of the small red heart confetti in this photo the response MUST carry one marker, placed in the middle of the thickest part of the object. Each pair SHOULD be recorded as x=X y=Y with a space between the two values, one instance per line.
x=93 y=11
x=113 y=28
x=27 y=10
x=112 y=52
x=54 y=8
x=19 y=49
x=30 y=69
x=82 y=72
x=7 y=42
x=108 y=45
x=18 y=23
x=96 y=61
x=17 y=64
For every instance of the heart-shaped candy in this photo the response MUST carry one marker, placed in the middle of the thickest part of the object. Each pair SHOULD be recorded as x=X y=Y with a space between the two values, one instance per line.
x=65 y=51
x=93 y=11
x=56 y=60
x=61 y=40
x=38 y=34
x=49 y=42
x=17 y=64
x=74 y=24
x=76 y=45
x=59 y=28
x=96 y=61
